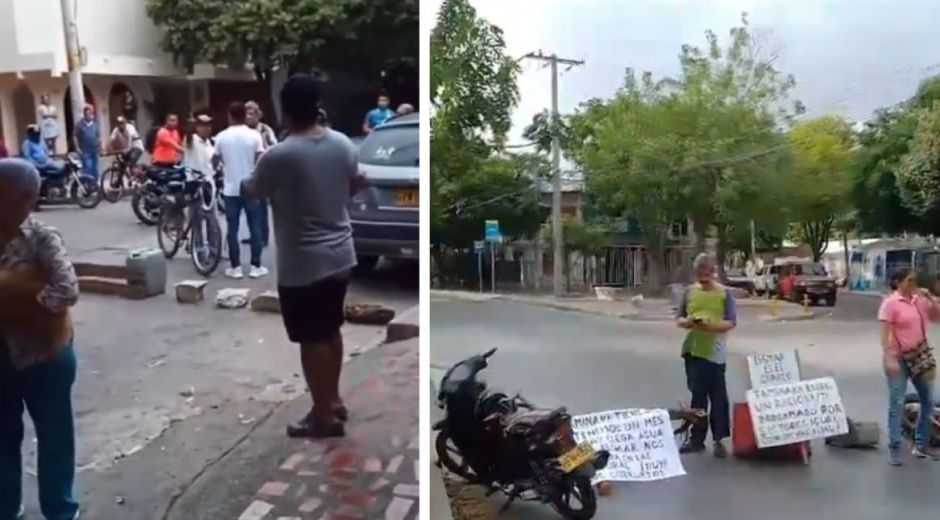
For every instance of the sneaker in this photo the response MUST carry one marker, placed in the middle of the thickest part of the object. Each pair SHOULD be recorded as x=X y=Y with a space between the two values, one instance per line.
x=921 y=451
x=719 y=450
x=691 y=447
x=257 y=272
x=234 y=273
x=894 y=456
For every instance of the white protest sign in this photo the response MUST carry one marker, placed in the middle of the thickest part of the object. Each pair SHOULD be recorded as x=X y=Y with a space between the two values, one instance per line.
x=776 y=368
x=641 y=444
x=796 y=412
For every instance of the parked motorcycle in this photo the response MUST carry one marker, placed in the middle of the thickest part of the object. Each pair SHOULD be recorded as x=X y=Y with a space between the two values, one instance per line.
x=508 y=445
x=147 y=202
x=70 y=185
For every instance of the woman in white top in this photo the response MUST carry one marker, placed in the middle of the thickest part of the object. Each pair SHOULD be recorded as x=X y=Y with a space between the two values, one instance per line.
x=48 y=122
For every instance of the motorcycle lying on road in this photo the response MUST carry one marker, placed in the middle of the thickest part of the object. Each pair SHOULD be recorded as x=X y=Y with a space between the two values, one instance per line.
x=70 y=185
x=508 y=445
x=147 y=202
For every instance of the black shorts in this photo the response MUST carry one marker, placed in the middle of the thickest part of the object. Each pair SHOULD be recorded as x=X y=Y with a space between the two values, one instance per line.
x=314 y=313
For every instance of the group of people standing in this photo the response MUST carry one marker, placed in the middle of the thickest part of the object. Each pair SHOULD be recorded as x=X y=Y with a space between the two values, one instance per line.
x=708 y=313
x=309 y=179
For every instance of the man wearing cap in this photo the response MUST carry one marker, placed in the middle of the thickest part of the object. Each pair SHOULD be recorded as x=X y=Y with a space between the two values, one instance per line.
x=126 y=141
x=87 y=140
x=35 y=151
x=38 y=286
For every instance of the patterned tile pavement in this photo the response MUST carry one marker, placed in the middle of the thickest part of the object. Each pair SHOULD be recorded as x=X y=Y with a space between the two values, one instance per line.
x=372 y=472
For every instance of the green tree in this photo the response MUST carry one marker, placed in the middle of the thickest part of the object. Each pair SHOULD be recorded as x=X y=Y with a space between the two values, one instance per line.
x=473 y=91
x=918 y=174
x=735 y=101
x=297 y=35
x=823 y=160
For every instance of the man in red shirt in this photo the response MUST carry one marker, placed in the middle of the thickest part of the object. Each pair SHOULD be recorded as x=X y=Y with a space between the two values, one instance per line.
x=168 y=147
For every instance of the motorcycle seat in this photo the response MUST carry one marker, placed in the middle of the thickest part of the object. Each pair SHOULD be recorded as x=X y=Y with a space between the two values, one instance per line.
x=527 y=419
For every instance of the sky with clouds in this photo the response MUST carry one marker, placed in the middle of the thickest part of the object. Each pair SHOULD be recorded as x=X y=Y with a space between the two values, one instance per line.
x=849 y=56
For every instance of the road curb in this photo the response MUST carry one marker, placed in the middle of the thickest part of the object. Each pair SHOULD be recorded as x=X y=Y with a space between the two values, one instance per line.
x=405 y=325
x=803 y=316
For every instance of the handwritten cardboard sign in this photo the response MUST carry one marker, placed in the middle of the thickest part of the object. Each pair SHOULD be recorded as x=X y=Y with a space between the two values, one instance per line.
x=641 y=444
x=776 y=368
x=796 y=412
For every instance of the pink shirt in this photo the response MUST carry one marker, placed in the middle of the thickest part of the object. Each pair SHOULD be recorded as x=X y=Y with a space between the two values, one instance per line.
x=909 y=318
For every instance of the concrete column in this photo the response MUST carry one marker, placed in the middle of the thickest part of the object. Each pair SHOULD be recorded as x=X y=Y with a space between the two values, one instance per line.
x=10 y=133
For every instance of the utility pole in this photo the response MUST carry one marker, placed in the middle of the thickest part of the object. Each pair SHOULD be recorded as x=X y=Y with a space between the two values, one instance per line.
x=74 y=54
x=558 y=263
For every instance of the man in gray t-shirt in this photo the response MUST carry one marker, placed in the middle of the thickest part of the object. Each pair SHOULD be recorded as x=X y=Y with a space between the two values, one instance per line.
x=309 y=179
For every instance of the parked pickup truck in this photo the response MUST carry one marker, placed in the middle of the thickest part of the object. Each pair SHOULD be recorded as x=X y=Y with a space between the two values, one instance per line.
x=810 y=280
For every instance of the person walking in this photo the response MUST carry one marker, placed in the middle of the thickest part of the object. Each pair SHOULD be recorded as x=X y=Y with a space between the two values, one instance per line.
x=708 y=311
x=168 y=143
x=378 y=115
x=908 y=357
x=254 y=117
x=237 y=149
x=38 y=285
x=309 y=178
x=88 y=143
x=48 y=122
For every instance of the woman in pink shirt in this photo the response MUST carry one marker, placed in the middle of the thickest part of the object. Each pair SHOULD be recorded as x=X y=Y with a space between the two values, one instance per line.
x=904 y=316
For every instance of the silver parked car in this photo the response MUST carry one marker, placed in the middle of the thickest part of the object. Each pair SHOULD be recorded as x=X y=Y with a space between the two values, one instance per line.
x=385 y=214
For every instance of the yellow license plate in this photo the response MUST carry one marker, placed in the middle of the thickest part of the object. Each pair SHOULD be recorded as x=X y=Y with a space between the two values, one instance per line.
x=406 y=198
x=573 y=459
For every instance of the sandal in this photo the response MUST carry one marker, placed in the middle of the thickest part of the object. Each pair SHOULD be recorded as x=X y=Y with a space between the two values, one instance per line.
x=313 y=427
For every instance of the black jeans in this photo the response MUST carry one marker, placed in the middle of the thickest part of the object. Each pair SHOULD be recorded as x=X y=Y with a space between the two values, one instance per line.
x=706 y=381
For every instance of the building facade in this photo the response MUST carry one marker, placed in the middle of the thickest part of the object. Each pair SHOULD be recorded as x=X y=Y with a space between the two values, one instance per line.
x=124 y=71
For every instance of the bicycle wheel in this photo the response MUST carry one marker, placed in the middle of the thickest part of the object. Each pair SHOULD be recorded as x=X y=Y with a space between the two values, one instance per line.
x=112 y=185
x=170 y=230
x=206 y=246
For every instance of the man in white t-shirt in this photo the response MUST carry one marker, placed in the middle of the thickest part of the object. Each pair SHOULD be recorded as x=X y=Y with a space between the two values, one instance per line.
x=126 y=141
x=237 y=150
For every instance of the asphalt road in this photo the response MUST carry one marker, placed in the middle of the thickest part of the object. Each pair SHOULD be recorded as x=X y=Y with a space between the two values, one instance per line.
x=189 y=379
x=590 y=363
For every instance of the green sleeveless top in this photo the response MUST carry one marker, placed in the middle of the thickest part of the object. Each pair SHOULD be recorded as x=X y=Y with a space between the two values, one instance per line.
x=710 y=306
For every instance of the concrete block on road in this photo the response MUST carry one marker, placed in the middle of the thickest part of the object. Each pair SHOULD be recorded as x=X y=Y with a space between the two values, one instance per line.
x=267 y=301
x=190 y=291
x=404 y=326
x=369 y=314
x=232 y=298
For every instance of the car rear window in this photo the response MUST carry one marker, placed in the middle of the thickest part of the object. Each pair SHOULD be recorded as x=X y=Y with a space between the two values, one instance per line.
x=395 y=145
x=811 y=270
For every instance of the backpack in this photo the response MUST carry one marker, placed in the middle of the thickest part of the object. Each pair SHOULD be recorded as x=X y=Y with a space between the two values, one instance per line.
x=151 y=140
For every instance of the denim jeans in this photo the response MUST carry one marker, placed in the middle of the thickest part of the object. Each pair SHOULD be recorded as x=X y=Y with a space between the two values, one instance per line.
x=45 y=390
x=90 y=163
x=264 y=223
x=233 y=213
x=706 y=381
x=897 y=388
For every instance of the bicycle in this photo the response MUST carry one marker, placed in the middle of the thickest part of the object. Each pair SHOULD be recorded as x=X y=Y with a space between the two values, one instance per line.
x=121 y=177
x=188 y=216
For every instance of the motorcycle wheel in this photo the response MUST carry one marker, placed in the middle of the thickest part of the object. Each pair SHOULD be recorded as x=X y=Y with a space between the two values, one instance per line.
x=170 y=233
x=86 y=193
x=206 y=249
x=140 y=204
x=112 y=185
x=580 y=489
x=446 y=453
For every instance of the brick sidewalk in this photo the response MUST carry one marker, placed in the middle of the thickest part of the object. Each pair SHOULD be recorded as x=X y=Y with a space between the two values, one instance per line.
x=371 y=473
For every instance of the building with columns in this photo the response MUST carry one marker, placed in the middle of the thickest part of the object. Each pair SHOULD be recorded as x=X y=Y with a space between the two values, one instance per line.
x=124 y=71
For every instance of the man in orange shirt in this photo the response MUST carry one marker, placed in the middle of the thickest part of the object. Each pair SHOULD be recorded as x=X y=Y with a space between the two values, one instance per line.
x=168 y=147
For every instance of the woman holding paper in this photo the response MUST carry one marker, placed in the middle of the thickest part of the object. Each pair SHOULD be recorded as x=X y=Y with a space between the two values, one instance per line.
x=907 y=356
x=37 y=364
